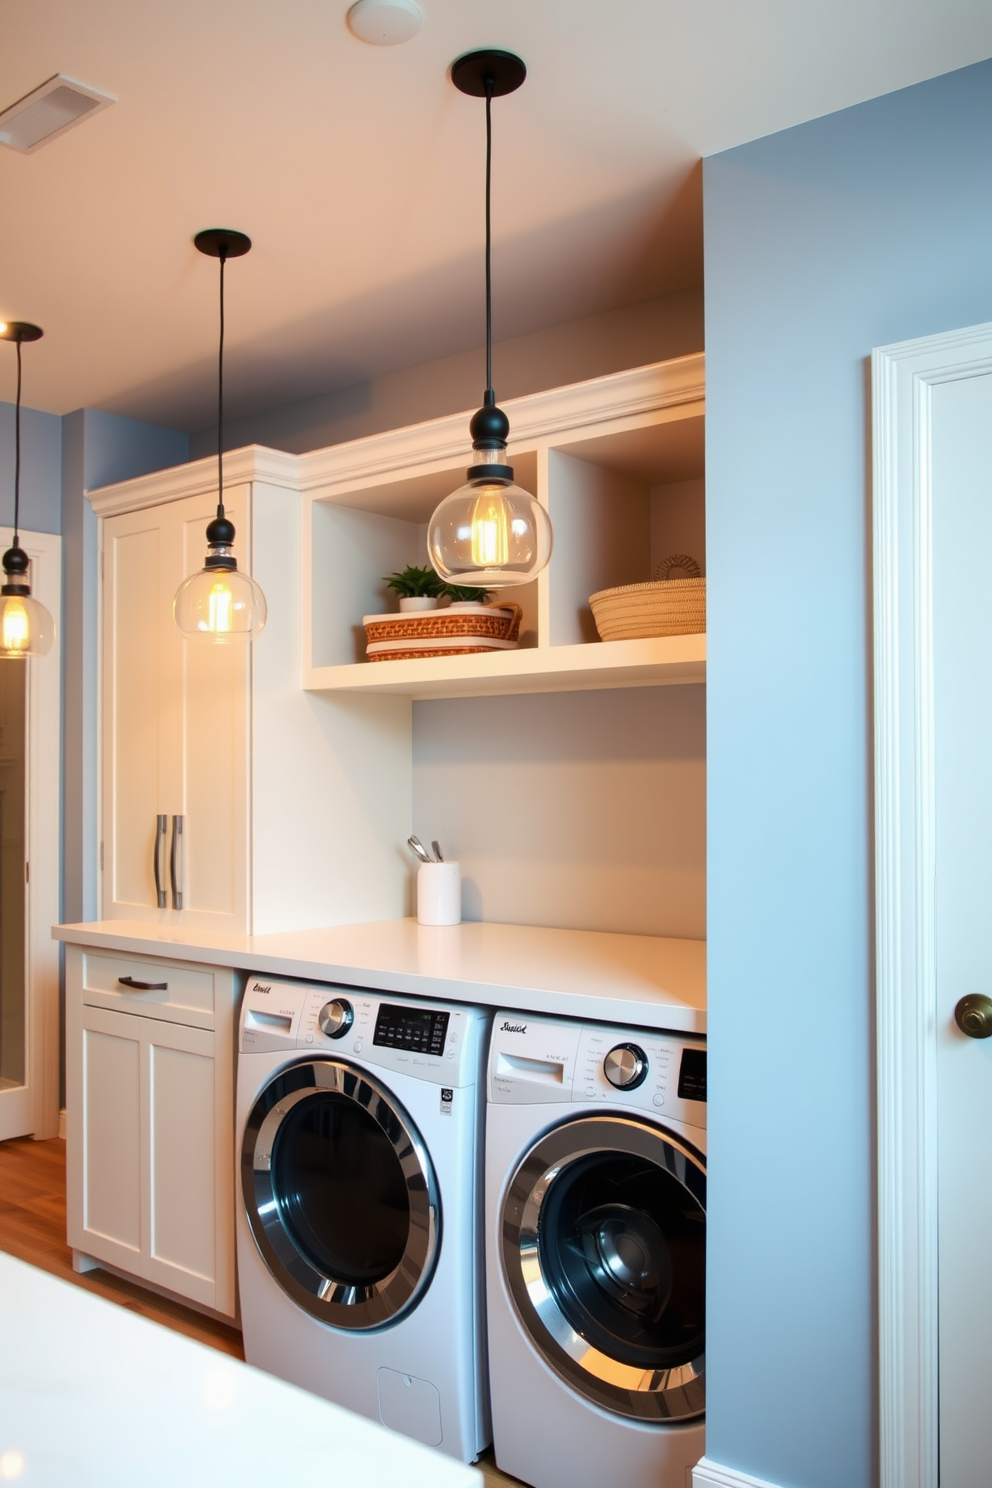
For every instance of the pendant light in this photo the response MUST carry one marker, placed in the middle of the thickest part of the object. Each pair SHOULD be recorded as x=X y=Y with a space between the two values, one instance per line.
x=220 y=603
x=26 y=627
x=490 y=533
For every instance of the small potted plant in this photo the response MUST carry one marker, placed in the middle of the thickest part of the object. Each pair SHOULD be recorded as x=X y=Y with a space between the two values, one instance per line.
x=418 y=588
x=423 y=589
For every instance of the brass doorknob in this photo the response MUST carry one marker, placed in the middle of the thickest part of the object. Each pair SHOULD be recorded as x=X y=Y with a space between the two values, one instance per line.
x=973 y=1015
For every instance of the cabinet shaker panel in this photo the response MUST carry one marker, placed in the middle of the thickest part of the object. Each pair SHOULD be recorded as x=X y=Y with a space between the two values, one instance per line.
x=132 y=720
x=182 y=1169
x=111 y=1115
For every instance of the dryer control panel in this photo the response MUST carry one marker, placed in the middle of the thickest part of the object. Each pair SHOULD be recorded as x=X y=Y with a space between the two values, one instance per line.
x=433 y=1041
x=542 y=1060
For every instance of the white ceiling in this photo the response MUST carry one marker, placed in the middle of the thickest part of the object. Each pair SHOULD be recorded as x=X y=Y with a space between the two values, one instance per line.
x=357 y=172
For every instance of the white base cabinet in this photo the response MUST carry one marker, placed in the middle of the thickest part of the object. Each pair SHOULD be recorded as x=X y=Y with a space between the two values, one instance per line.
x=150 y=1142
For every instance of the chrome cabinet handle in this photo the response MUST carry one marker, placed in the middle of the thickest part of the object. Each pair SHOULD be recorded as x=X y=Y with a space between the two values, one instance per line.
x=158 y=858
x=136 y=986
x=177 y=862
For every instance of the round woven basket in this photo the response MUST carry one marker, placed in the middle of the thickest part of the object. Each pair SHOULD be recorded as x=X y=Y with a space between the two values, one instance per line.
x=661 y=607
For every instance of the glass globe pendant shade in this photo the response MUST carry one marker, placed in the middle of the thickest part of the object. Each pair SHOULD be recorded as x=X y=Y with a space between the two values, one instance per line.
x=26 y=627
x=491 y=534
x=220 y=603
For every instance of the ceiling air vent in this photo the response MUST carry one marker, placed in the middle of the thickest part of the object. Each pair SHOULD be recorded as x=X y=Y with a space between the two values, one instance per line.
x=48 y=111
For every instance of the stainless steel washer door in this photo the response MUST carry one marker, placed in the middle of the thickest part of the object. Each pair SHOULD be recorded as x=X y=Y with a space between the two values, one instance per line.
x=340 y=1194
x=603 y=1238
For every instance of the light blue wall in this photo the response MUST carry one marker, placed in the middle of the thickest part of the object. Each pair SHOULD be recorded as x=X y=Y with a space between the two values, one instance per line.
x=866 y=227
x=41 y=472
x=98 y=449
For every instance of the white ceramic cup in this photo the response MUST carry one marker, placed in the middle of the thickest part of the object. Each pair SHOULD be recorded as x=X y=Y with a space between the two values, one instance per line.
x=439 y=894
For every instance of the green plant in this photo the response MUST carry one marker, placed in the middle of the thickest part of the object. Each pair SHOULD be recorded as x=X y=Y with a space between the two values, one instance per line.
x=462 y=593
x=412 y=583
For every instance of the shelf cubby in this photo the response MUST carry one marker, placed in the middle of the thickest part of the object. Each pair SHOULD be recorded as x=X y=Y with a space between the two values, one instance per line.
x=618 y=463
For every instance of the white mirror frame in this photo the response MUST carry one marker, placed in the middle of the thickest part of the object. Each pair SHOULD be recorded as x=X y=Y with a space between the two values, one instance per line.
x=40 y=1094
x=906 y=999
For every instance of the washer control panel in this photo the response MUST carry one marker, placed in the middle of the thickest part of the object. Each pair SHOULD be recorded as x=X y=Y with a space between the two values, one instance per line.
x=431 y=1041
x=538 y=1060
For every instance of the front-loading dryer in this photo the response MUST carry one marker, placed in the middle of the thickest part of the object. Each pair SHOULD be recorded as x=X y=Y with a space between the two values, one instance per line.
x=595 y=1251
x=359 y=1119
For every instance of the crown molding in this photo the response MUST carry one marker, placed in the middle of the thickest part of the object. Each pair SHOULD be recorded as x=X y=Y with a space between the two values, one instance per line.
x=536 y=417
x=436 y=443
x=253 y=463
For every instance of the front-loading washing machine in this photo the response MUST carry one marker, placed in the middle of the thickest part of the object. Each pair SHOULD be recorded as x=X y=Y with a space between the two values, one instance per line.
x=595 y=1251
x=359 y=1238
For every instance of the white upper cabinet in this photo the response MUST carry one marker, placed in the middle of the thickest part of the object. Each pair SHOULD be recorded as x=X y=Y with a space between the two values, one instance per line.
x=175 y=728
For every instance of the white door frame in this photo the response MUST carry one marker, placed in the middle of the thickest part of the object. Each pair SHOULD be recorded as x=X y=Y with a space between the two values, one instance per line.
x=903 y=376
x=40 y=1095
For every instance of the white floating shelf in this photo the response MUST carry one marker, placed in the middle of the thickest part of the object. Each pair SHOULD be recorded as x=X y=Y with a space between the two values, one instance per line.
x=644 y=663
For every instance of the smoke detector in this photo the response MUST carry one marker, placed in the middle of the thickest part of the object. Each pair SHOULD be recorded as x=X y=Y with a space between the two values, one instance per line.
x=385 y=22
x=48 y=111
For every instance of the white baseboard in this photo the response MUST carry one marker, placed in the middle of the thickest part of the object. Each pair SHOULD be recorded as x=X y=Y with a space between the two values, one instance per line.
x=707 y=1474
x=62 y=1123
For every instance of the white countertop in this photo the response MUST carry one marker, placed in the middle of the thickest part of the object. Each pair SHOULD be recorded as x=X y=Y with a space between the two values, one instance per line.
x=637 y=979
x=93 y=1396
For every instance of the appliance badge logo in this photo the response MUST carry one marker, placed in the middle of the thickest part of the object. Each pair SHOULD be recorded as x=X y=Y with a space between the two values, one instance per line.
x=259 y=988
x=506 y=1027
x=447 y=1096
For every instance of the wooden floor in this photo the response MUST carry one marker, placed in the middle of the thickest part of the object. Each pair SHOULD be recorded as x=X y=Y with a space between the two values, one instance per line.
x=32 y=1227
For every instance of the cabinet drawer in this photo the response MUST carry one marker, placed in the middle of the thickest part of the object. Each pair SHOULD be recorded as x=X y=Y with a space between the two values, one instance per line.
x=187 y=997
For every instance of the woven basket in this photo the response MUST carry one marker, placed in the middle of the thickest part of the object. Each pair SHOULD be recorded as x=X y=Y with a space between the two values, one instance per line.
x=661 y=607
x=460 y=630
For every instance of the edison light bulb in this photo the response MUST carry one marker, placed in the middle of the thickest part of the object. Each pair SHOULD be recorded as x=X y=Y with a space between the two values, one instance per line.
x=220 y=606
x=490 y=532
x=26 y=627
x=14 y=627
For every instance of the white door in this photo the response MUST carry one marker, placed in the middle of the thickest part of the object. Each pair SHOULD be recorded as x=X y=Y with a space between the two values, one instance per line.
x=175 y=728
x=29 y=869
x=962 y=619
x=933 y=740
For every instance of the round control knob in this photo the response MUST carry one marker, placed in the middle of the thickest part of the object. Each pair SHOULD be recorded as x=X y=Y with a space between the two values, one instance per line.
x=626 y=1067
x=335 y=1018
x=973 y=1015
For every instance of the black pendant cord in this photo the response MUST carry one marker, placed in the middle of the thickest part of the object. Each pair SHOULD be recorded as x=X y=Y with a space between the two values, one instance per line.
x=222 y=255
x=17 y=450
x=490 y=395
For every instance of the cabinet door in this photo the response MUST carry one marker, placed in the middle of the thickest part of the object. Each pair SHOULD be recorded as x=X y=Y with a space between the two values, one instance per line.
x=152 y=1182
x=175 y=728
x=137 y=665
x=188 y=1197
x=211 y=695
x=105 y=1198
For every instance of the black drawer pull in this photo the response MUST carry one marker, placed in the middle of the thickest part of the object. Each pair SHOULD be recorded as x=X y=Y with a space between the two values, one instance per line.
x=137 y=986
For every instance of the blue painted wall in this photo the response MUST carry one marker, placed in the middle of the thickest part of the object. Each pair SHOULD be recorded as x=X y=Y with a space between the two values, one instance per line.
x=41 y=469
x=869 y=226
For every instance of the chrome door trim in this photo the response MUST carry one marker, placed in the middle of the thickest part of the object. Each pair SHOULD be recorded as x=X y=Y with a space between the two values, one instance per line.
x=652 y=1395
x=325 y=1297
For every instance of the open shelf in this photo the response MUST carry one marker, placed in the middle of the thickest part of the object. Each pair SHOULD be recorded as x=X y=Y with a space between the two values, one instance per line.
x=671 y=659
x=619 y=465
